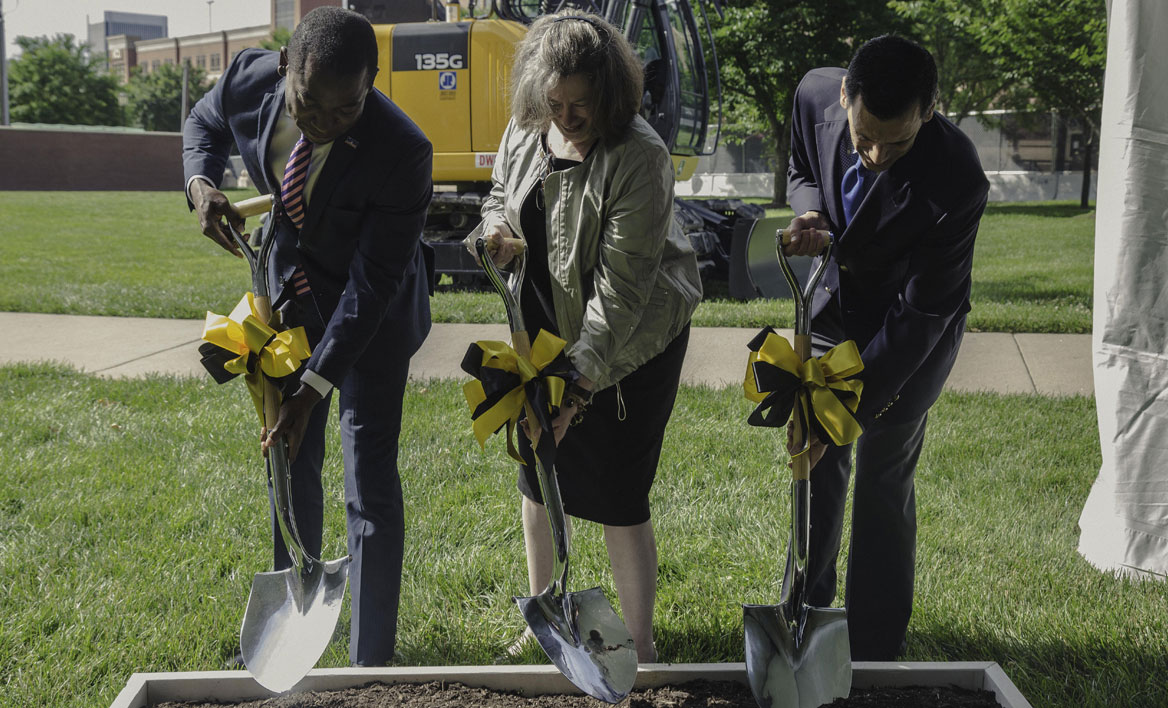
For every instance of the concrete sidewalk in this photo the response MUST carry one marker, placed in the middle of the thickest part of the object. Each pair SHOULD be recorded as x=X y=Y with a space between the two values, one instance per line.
x=1048 y=364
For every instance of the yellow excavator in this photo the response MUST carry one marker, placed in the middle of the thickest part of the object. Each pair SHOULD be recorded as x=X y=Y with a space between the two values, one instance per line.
x=451 y=74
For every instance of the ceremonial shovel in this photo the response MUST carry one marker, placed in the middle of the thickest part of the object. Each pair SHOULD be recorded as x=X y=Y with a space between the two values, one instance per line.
x=291 y=613
x=798 y=656
x=579 y=630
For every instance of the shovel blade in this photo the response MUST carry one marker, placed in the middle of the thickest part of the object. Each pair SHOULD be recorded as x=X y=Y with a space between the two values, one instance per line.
x=788 y=667
x=585 y=640
x=289 y=620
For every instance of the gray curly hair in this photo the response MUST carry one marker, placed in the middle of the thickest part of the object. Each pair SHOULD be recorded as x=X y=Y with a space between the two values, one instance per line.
x=575 y=42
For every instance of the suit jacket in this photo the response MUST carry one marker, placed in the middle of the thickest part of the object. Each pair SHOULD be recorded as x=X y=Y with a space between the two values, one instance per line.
x=359 y=245
x=900 y=272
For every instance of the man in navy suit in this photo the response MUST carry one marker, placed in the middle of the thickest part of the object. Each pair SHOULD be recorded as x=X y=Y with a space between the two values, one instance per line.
x=353 y=176
x=903 y=190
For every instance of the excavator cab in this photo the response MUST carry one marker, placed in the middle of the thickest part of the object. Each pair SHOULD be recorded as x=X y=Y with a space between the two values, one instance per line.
x=453 y=78
x=682 y=95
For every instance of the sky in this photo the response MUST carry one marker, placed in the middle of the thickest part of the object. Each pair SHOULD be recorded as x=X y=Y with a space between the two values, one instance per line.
x=37 y=18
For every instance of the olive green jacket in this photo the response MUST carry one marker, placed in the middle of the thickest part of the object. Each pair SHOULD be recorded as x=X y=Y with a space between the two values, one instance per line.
x=624 y=277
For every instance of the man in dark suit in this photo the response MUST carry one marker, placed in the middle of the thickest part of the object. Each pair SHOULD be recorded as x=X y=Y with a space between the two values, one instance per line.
x=352 y=173
x=903 y=190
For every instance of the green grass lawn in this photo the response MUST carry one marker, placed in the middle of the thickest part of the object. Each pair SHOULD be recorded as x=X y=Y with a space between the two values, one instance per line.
x=141 y=254
x=133 y=516
x=112 y=253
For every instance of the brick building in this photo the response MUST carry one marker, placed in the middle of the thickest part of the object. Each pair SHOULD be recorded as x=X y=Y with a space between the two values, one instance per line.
x=210 y=51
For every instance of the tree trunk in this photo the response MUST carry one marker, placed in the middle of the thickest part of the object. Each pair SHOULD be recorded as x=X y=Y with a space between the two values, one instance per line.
x=1088 y=152
x=782 y=156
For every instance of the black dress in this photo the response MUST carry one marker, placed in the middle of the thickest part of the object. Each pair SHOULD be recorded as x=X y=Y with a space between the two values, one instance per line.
x=606 y=464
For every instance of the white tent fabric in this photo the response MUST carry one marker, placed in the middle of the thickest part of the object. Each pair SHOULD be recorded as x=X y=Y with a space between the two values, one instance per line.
x=1124 y=524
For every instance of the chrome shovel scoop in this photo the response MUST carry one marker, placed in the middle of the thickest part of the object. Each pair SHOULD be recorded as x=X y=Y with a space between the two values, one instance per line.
x=798 y=656
x=291 y=614
x=579 y=631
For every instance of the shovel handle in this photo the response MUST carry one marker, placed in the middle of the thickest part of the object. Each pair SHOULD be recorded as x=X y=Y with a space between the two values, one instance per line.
x=800 y=464
x=786 y=234
x=518 y=244
x=521 y=343
x=263 y=306
x=253 y=206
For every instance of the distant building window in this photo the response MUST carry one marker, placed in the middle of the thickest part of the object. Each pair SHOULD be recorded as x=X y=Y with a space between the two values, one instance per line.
x=154 y=65
x=215 y=61
x=201 y=61
x=168 y=60
x=285 y=11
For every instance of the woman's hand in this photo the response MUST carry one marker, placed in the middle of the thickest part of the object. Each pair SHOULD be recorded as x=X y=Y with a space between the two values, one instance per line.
x=568 y=411
x=501 y=245
x=560 y=424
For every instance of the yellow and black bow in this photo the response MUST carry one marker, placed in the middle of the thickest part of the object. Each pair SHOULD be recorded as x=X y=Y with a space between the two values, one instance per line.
x=777 y=380
x=242 y=343
x=504 y=381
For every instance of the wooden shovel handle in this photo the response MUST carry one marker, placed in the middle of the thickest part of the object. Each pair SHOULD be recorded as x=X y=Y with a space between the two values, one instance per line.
x=801 y=465
x=521 y=342
x=254 y=205
x=263 y=308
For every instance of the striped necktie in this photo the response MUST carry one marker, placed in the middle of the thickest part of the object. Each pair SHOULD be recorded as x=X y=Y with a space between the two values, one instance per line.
x=295 y=177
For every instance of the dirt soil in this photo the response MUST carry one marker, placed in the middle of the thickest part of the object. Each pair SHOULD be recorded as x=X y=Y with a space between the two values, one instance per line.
x=696 y=694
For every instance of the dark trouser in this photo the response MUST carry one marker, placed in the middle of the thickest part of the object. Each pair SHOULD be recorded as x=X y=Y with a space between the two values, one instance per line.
x=881 y=560
x=370 y=404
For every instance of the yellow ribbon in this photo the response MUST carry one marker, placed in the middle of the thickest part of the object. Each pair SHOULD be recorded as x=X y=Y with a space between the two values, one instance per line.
x=821 y=383
x=246 y=335
x=509 y=389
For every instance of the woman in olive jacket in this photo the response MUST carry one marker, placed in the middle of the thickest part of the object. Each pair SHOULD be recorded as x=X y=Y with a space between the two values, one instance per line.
x=587 y=184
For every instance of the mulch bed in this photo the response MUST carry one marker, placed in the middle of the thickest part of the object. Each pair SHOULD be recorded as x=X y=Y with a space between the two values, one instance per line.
x=696 y=694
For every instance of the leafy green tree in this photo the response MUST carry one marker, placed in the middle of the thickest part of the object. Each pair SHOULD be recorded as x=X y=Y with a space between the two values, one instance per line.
x=280 y=38
x=55 y=81
x=1051 y=55
x=968 y=80
x=154 y=99
x=766 y=46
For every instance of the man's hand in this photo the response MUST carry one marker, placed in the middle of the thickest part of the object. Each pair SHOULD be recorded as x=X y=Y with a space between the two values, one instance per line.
x=814 y=451
x=809 y=235
x=212 y=206
x=293 y=420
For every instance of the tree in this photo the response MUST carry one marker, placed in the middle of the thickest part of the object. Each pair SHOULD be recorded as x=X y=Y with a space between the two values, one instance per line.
x=766 y=46
x=54 y=81
x=154 y=99
x=1051 y=54
x=280 y=38
x=967 y=78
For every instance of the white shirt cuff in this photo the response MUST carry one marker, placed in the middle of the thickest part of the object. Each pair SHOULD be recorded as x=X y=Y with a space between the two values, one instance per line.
x=192 y=179
x=316 y=381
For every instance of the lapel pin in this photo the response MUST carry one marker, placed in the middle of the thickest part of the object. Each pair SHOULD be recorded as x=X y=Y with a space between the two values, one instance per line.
x=351 y=142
